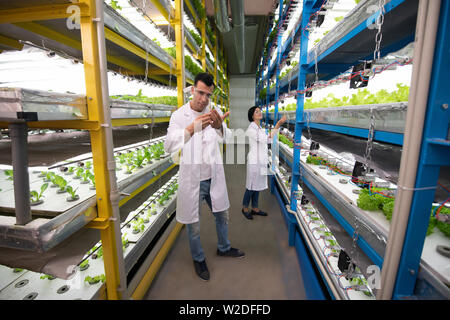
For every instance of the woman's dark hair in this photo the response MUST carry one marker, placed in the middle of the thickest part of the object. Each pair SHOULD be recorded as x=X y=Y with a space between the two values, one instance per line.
x=206 y=78
x=251 y=111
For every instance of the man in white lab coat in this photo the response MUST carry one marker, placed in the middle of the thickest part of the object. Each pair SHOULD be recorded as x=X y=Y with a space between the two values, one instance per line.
x=193 y=136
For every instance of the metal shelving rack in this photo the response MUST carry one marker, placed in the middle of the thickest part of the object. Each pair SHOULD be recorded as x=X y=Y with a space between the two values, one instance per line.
x=103 y=40
x=404 y=274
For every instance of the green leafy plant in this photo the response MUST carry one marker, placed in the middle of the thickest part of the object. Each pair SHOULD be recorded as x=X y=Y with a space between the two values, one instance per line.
x=79 y=173
x=285 y=140
x=47 y=276
x=114 y=5
x=9 y=173
x=85 y=176
x=84 y=264
x=35 y=196
x=96 y=279
x=60 y=182
x=72 y=193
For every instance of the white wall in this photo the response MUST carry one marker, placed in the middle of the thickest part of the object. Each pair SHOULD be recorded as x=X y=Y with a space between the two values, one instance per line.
x=242 y=98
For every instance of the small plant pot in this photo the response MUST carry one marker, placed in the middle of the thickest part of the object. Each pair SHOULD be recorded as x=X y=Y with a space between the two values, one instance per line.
x=77 y=177
x=356 y=191
x=343 y=181
x=84 y=182
x=92 y=188
x=54 y=186
x=41 y=175
x=61 y=191
x=82 y=268
x=146 y=220
x=70 y=198
x=35 y=203
x=127 y=172
x=136 y=231
x=68 y=173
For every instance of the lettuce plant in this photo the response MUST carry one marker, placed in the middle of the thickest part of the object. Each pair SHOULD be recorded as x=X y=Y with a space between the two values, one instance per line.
x=9 y=173
x=35 y=197
x=72 y=192
x=96 y=279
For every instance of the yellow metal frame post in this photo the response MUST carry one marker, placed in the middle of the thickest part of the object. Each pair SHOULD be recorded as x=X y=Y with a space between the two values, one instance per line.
x=216 y=61
x=110 y=240
x=203 y=32
x=179 y=40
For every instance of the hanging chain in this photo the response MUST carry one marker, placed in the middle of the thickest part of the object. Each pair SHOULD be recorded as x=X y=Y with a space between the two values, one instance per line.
x=308 y=118
x=379 y=23
x=316 y=69
x=369 y=145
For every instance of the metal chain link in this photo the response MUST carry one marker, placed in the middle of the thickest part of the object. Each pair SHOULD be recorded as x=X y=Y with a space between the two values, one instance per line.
x=316 y=69
x=369 y=145
x=379 y=23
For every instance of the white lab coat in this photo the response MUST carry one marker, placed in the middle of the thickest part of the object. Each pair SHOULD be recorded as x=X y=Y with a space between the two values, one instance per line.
x=191 y=162
x=257 y=158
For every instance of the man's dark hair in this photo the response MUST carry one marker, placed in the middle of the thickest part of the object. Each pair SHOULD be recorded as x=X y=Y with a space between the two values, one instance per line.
x=206 y=78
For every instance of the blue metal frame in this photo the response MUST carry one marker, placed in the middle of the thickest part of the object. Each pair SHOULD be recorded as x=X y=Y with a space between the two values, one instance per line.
x=435 y=145
x=435 y=148
x=299 y=123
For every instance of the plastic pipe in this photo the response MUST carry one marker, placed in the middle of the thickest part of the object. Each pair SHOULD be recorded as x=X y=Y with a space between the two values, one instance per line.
x=237 y=14
x=427 y=23
x=114 y=192
x=19 y=155
x=221 y=15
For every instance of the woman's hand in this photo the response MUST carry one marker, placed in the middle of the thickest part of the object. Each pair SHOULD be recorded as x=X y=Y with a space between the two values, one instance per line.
x=280 y=122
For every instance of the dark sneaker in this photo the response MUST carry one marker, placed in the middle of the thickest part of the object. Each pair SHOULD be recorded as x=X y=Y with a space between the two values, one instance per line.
x=232 y=252
x=201 y=269
x=247 y=214
x=259 y=213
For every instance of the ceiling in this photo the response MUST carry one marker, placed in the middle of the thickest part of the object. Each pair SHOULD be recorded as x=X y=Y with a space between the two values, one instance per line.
x=256 y=20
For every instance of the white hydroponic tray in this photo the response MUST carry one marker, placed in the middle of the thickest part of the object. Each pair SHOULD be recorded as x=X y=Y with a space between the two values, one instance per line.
x=56 y=203
x=430 y=256
x=28 y=285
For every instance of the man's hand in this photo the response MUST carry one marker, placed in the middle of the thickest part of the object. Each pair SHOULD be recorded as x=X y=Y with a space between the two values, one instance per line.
x=200 y=122
x=217 y=119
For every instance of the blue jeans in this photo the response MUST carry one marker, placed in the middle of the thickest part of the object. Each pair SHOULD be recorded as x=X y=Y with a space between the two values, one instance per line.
x=250 y=195
x=223 y=244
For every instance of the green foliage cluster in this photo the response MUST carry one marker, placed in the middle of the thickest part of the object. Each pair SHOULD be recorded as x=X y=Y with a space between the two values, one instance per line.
x=210 y=34
x=197 y=37
x=139 y=158
x=166 y=100
x=314 y=160
x=198 y=6
x=9 y=173
x=362 y=97
x=189 y=64
x=96 y=279
x=170 y=190
x=285 y=140
x=371 y=201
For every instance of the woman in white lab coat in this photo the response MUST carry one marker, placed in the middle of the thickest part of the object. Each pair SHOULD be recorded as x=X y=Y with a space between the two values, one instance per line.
x=257 y=161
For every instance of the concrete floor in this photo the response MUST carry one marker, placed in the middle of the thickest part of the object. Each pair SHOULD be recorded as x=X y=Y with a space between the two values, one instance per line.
x=269 y=270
